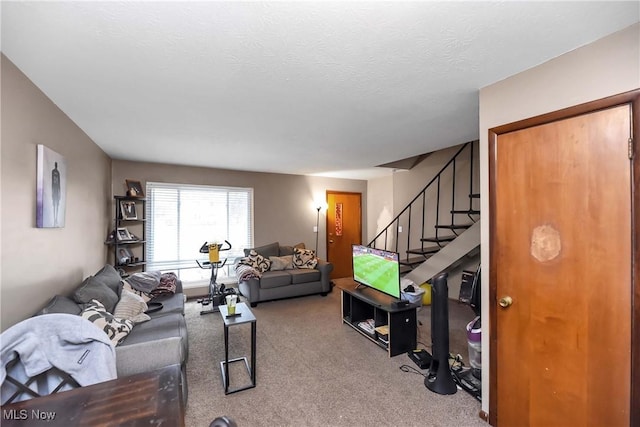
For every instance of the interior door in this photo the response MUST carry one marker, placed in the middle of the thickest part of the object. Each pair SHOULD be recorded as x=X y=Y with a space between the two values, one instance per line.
x=561 y=263
x=344 y=228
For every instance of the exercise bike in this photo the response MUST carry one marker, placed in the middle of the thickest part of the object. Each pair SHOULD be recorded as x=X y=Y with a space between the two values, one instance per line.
x=217 y=293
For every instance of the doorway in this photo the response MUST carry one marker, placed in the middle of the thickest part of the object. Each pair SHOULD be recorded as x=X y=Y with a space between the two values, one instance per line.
x=564 y=211
x=344 y=228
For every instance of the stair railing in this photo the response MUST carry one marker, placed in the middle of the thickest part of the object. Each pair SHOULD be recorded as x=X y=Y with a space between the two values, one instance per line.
x=393 y=228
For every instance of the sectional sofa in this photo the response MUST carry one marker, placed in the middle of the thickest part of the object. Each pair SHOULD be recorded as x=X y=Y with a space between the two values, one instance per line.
x=159 y=340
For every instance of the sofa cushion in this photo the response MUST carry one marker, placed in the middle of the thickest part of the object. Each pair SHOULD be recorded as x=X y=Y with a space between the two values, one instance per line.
x=256 y=261
x=288 y=250
x=304 y=258
x=115 y=328
x=304 y=276
x=61 y=304
x=272 y=249
x=109 y=277
x=274 y=279
x=131 y=307
x=173 y=303
x=96 y=290
x=281 y=262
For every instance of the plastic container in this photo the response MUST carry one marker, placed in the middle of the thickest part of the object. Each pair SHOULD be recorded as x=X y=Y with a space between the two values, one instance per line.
x=413 y=297
x=474 y=339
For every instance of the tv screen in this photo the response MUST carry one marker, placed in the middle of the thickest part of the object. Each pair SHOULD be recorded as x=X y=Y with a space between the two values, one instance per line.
x=377 y=268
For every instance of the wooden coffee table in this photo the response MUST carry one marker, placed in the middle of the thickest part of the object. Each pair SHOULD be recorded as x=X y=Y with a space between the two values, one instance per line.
x=151 y=398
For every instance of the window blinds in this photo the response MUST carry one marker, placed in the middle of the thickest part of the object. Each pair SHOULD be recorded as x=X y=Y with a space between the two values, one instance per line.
x=180 y=218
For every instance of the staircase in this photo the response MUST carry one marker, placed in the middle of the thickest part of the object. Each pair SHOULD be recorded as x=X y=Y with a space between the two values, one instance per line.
x=440 y=225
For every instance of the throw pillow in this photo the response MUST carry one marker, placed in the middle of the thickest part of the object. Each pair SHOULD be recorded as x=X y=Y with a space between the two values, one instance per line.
x=271 y=249
x=131 y=307
x=281 y=262
x=109 y=277
x=288 y=250
x=256 y=261
x=61 y=304
x=304 y=258
x=127 y=287
x=92 y=289
x=116 y=329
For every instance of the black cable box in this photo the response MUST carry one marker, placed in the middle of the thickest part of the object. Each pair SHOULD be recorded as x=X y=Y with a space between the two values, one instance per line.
x=421 y=357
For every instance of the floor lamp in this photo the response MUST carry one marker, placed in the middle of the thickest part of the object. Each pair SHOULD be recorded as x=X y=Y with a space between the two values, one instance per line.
x=317 y=227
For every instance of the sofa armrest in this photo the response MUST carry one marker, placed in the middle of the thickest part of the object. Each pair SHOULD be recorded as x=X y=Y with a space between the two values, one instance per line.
x=253 y=291
x=325 y=269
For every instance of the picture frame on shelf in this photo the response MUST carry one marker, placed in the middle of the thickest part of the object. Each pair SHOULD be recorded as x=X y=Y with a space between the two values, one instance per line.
x=125 y=256
x=128 y=210
x=123 y=235
x=134 y=188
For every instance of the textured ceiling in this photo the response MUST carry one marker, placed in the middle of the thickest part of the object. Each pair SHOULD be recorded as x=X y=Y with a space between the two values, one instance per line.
x=291 y=87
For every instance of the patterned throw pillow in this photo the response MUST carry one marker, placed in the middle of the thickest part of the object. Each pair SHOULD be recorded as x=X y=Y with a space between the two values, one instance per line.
x=304 y=258
x=256 y=261
x=116 y=329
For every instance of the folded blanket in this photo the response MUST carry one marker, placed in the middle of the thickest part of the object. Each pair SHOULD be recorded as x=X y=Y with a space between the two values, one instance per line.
x=167 y=286
x=145 y=282
x=245 y=272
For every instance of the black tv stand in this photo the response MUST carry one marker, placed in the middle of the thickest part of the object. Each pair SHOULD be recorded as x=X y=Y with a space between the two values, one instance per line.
x=360 y=304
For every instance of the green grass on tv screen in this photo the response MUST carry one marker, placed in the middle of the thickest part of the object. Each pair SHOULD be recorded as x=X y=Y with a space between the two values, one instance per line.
x=378 y=272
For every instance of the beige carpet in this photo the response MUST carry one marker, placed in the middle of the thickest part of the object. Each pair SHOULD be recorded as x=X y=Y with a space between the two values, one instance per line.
x=312 y=370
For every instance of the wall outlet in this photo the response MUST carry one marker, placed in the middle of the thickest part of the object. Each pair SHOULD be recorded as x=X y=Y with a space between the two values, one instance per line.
x=315 y=229
x=399 y=229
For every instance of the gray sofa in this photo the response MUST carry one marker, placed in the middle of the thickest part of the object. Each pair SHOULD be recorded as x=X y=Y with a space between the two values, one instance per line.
x=278 y=283
x=156 y=343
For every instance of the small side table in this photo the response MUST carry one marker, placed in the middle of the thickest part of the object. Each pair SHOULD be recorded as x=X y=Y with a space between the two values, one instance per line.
x=246 y=316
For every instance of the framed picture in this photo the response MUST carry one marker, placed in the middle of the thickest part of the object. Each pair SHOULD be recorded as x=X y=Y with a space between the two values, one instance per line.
x=125 y=256
x=123 y=235
x=134 y=188
x=51 y=193
x=128 y=210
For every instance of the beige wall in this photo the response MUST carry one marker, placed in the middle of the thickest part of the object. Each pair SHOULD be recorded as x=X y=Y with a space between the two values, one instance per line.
x=606 y=67
x=38 y=263
x=283 y=204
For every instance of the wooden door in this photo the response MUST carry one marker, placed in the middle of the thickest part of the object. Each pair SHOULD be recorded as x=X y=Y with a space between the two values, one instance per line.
x=561 y=250
x=344 y=228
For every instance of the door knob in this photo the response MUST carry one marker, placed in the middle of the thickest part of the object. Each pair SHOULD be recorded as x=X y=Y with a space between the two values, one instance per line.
x=330 y=241
x=505 y=302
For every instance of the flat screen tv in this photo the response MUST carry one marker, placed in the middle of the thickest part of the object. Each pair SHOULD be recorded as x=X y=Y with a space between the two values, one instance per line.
x=377 y=269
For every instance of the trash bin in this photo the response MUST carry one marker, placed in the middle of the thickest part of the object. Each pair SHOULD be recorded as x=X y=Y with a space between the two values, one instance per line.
x=474 y=339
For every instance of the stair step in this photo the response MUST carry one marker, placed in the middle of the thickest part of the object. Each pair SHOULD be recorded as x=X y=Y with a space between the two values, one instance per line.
x=439 y=239
x=455 y=226
x=404 y=269
x=412 y=261
x=466 y=212
x=424 y=251
x=474 y=195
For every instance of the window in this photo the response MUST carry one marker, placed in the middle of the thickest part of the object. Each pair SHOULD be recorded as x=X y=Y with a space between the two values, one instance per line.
x=180 y=218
